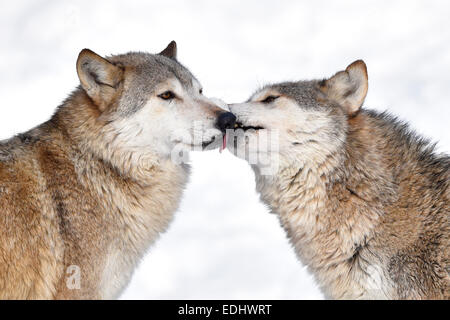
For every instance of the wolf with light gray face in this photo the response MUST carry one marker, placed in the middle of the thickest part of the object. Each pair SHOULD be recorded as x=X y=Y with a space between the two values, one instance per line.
x=86 y=193
x=363 y=199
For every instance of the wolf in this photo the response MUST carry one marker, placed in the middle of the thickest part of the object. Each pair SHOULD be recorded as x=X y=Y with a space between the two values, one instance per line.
x=363 y=199
x=85 y=194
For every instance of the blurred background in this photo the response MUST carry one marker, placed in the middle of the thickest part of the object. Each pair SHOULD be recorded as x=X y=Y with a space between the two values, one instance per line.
x=223 y=243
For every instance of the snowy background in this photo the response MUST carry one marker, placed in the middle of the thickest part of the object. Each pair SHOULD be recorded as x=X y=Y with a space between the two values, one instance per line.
x=223 y=242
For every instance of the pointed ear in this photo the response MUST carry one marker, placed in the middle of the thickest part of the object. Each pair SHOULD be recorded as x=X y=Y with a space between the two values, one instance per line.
x=98 y=77
x=349 y=87
x=170 y=51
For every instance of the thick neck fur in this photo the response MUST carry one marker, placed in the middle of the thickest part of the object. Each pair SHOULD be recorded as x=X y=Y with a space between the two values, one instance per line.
x=330 y=208
x=136 y=193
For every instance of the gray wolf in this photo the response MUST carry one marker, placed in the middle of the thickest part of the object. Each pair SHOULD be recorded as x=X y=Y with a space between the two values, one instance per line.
x=85 y=194
x=363 y=199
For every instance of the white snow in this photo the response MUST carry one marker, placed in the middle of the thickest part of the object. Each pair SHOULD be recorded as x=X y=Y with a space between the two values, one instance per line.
x=223 y=242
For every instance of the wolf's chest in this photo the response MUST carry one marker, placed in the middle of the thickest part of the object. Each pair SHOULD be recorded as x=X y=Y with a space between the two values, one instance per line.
x=137 y=226
x=325 y=235
x=130 y=245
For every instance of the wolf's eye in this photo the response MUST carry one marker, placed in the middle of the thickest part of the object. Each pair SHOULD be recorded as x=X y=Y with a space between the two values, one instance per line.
x=200 y=91
x=270 y=99
x=168 y=95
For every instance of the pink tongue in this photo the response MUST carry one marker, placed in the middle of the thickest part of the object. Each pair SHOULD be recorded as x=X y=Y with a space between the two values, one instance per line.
x=224 y=143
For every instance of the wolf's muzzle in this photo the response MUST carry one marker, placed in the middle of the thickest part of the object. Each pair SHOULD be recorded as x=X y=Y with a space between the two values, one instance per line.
x=226 y=121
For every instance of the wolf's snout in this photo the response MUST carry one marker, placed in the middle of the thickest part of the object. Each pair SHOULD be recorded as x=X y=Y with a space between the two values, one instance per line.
x=226 y=121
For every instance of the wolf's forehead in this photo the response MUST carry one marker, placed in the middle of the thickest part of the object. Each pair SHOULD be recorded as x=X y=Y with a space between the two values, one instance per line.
x=303 y=92
x=146 y=73
x=160 y=69
x=152 y=69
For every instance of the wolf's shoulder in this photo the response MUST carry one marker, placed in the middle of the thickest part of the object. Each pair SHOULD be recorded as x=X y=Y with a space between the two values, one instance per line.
x=415 y=164
x=18 y=145
x=399 y=136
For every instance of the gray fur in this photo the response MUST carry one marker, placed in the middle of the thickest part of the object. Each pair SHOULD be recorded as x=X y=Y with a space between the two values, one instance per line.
x=148 y=71
x=362 y=197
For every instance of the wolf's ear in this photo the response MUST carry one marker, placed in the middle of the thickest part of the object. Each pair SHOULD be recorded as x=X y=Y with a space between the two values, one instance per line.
x=98 y=77
x=349 y=87
x=170 y=51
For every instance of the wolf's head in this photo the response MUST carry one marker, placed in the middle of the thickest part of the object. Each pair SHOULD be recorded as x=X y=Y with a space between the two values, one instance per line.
x=302 y=121
x=150 y=102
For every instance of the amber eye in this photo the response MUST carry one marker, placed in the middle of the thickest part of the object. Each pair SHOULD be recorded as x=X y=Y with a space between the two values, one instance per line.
x=168 y=95
x=270 y=99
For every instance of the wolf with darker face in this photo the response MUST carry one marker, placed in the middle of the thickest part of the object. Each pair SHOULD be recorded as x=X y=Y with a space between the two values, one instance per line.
x=363 y=199
x=85 y=194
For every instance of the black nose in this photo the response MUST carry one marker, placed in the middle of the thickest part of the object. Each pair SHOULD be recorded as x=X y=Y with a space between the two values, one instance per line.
x=226 y=121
